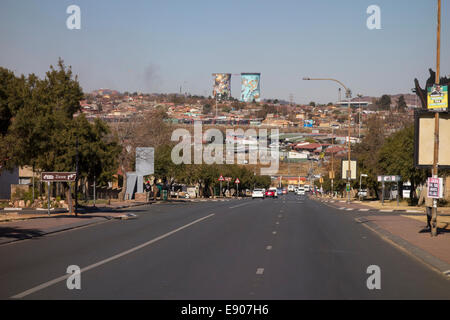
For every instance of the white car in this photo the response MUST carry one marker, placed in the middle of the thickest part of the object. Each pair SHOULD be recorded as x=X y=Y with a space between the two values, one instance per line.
x=301 y=191
x=258 y=193
x=291 y=188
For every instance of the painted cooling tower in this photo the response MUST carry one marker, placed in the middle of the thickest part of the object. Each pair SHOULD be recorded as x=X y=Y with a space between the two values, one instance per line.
x=222 y=86
x=250 y=90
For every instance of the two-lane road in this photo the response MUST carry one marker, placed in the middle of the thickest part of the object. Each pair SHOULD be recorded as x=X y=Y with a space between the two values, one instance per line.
x=285 y=248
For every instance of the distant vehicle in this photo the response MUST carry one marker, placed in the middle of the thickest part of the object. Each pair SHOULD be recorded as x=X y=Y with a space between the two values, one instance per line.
x=275 y=193
x=300 y=191
x=258 y=193
x=362 y=193
x=285 y=191
x=279 y=191
x=307 y=188
x=406 y=190
x=291 y=188
x=270 y=193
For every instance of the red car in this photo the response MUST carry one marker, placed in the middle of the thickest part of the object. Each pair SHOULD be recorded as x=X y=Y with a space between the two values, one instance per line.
x=270 y=193
x=285 y=191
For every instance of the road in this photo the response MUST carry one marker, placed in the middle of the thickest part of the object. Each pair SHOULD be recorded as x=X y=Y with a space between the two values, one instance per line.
x=286 y=248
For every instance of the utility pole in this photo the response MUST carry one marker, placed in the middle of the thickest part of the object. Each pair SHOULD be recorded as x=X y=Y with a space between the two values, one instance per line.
x=332 y=163
x=76 y=178
x=436 y=123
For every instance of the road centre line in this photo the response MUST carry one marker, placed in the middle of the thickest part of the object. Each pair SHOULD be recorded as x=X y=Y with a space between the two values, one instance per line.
x=102 y=262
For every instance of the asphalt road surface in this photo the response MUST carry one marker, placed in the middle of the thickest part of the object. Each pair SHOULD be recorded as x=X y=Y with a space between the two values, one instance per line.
x=285 y=248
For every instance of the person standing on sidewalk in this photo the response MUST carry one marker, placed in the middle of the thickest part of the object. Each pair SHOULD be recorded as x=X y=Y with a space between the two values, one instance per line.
x=428 y=205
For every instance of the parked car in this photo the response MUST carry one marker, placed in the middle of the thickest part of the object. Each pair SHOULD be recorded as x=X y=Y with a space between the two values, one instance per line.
x=279 y=191
x=258 y=193
x=285 y=191
x=291 y=188
x=362 y=193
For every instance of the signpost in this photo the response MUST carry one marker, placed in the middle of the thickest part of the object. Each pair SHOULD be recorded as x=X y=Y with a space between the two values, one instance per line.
x=220 y=180
x=57 y=177
x=439 y=101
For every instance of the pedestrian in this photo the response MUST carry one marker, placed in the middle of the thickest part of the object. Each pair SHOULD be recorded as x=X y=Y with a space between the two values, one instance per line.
x=428 y=205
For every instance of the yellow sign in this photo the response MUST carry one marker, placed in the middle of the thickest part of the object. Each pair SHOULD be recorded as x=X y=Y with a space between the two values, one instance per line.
x=331 y=174
x=437 y=97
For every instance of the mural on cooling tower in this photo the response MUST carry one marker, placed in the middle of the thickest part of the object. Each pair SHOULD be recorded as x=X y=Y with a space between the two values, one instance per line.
x=250 y=87
x=222 y=86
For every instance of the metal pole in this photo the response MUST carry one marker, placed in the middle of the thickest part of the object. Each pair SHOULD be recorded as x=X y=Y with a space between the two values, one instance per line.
x=349 y=125
x=76 y=178
x=360 y=187
x=436 y=123
x=94 y=190
x=332 y=163
x=398 y=195
x=382 y=193
x=48 y=197
x=33 y=183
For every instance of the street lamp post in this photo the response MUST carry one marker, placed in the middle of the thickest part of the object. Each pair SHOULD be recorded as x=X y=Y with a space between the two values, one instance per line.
x=348 y=95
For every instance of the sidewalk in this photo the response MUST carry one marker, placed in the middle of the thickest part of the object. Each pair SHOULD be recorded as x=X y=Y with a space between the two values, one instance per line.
x=411 y=236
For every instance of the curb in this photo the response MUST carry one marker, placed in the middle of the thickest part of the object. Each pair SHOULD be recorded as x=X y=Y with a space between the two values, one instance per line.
x=423 y=256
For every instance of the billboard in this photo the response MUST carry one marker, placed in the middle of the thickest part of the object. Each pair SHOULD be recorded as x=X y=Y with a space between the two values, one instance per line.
x=424 y=140
x=222 y=86
x=145 y=161
x=250 y=90
x=344 y=167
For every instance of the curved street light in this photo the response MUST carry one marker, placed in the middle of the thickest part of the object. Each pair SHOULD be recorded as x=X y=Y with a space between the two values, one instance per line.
x=348 y=95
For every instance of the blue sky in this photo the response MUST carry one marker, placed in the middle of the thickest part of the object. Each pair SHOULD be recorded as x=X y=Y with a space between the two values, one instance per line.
x=156 y=46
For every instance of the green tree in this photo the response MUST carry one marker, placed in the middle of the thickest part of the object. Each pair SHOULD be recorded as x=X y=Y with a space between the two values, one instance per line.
x=385 y=102
x=401 y=104
x=396 y=157
x=207 y=108
x=367 y=152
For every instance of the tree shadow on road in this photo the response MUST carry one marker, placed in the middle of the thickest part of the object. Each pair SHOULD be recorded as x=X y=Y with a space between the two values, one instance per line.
x=18 y=233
